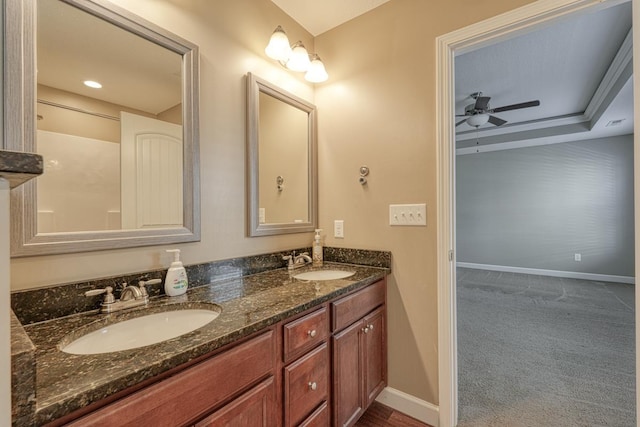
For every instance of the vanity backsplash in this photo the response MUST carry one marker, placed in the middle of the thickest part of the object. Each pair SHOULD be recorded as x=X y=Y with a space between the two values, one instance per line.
x=37 y=305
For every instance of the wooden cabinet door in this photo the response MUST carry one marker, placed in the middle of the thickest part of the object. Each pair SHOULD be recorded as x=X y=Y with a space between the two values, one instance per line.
x=255 y=408
x=347 y=368
x=374 y=355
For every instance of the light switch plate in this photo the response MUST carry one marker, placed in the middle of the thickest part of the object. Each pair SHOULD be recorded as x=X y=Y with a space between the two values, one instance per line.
x=410 y=215
x=338 y=228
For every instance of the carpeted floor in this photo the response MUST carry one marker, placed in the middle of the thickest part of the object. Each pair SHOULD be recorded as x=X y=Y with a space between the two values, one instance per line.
x=544 y=351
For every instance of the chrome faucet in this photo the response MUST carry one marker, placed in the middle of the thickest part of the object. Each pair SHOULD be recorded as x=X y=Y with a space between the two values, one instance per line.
x=131 y=296
x=130 y=292
x=297 y=261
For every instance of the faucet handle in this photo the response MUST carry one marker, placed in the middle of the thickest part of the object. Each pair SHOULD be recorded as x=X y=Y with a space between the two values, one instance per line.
x=290 y=258
x=108 y=298
x=143 y=283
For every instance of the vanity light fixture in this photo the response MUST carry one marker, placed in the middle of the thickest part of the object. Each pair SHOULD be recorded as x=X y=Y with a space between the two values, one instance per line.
x=296 y=57
x=92 y=84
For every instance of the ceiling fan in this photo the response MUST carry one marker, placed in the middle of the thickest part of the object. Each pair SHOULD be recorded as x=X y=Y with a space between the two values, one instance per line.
x=479 y=112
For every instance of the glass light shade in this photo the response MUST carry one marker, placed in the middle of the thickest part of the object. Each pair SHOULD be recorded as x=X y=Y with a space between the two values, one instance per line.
x=478 y=120
x=278 y=47
x=299 y=59
x=316 y=72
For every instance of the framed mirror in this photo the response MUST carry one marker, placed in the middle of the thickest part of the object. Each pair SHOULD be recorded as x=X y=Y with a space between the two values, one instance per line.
x=113 y=108
x=282 y=194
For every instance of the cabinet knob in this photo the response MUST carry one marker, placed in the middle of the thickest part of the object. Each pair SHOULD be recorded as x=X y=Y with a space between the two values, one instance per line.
x=370 y=327
x=365 y=329
x=313 y=386
x=312 y=333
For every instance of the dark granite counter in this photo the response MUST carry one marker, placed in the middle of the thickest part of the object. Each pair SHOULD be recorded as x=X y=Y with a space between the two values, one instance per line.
x=23 y=375
x=66 y=382
x=18 y=167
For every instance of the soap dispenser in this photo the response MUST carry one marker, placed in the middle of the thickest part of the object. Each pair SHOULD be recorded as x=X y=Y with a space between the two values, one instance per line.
x=317 y=249
x=176 y=281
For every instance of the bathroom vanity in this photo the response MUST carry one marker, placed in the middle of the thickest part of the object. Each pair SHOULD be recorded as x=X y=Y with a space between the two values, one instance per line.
x=283 y=351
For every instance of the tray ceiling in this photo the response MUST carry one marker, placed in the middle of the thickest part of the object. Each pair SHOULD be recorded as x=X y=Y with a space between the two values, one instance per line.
x=579 y=68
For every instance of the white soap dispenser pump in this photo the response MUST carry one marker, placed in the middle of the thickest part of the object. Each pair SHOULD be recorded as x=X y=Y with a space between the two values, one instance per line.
x=176 y=282
x=317 y=256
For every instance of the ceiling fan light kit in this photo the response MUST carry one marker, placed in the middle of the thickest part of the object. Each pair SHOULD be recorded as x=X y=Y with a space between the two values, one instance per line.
x=480 y=113
x=478 y=120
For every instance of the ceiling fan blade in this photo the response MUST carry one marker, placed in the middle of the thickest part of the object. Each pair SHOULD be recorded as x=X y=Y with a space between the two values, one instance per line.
x=515 y=106
x=460 y=122
x=482 y=103
x=496 y=121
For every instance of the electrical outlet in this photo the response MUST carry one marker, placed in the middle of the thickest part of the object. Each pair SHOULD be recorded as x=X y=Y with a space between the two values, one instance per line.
x=577 y=257
x=338 y=228
x=412 y=215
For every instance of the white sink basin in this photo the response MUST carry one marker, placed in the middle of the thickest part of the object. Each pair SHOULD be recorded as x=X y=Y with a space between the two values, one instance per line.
x=141 y=331
x=324 y=275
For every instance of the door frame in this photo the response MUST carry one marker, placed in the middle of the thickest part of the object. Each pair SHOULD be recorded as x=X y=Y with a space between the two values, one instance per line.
x=518 y=21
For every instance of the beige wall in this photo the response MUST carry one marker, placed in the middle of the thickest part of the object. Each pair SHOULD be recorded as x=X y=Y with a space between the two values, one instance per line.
x=231 y=36
x=56 y=119
x=172 y=115
x=378 y=109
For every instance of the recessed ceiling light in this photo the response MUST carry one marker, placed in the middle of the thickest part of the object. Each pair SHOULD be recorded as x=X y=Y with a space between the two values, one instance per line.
x=92 y=84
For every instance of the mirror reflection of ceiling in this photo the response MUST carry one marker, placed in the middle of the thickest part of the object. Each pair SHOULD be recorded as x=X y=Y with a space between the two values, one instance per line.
x=74 y=46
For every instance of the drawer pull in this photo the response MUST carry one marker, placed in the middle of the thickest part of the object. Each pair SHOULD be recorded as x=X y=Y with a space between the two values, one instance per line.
x=313 y=386
x=312 y=333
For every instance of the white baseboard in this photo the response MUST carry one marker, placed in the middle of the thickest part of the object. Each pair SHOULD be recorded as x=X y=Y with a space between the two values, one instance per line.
x=409 y=405
x=554 y=273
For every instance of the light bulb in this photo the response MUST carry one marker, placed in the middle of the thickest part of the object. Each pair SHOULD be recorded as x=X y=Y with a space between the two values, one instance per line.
x=299 y=59
x=278 y=47
x=316 y=72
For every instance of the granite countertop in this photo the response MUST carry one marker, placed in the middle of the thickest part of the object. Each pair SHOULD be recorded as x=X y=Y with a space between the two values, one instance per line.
x=67 y=382
x=18 y=168
x=23 y=374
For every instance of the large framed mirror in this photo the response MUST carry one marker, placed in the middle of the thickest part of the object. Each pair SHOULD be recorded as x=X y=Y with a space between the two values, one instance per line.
x=282 y=194
x=112 y=106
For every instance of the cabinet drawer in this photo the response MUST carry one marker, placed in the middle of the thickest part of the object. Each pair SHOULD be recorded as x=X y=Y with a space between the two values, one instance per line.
x=319 y=418
x=347 y=310
x=306 y=385
x=305 y=333
x=255 y=408
x=172 y=402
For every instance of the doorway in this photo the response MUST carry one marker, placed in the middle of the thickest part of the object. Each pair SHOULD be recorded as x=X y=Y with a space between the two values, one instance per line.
x=488 y=32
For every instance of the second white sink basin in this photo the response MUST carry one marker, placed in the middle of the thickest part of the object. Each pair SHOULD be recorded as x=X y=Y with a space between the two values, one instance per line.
x=324 y=275
x=141 y=331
